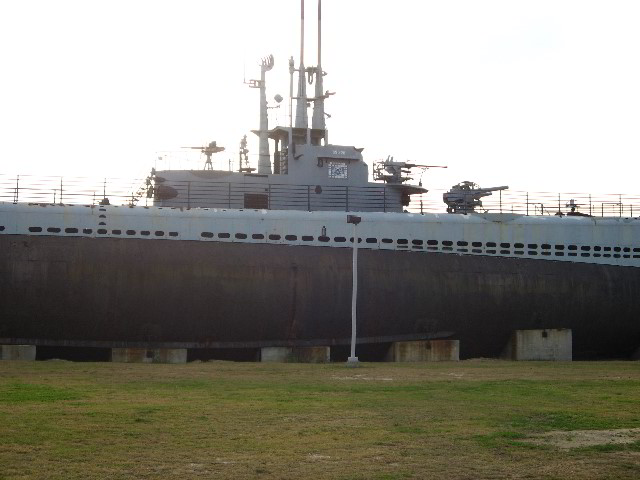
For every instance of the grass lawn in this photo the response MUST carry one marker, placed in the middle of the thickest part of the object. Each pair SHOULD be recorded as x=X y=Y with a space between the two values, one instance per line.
x=470 y=419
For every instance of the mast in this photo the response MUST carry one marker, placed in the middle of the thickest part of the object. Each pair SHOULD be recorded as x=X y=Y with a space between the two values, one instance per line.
x=264 y=158
x=301 y=105
x=318 y=104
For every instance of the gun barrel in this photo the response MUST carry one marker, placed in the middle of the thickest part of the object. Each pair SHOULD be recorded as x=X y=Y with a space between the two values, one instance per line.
x=493 y=189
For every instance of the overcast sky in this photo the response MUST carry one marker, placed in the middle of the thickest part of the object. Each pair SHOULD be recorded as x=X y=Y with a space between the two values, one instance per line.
x=539 y=95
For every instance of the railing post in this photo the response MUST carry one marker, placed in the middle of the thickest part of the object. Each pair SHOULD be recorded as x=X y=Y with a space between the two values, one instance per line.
x=189 y=194
x=527 y=204
x=309 y=198
x=384 y=199
x=16 y=194
x=347 y=199
x=590 y=205
x=620 y=200
x=60 y=190
x=500 y=201
x=229 y=195
x=269 y=198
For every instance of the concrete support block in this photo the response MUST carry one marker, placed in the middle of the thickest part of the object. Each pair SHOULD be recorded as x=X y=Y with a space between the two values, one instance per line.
x=424 y=351
x=548 y=344
x=18 y=352
x=295 y=354
x=149 y=355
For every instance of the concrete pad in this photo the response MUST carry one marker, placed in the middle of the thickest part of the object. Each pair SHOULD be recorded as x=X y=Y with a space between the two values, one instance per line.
x=544 y=344
x=295 y=354
x=424 y=351
x=149 y=355
x=18 y=352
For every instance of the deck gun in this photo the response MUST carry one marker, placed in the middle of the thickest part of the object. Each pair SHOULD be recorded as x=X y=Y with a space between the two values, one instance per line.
x=465 y=197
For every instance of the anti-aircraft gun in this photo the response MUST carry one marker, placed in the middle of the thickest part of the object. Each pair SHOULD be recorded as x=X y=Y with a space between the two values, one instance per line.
x=465 y=197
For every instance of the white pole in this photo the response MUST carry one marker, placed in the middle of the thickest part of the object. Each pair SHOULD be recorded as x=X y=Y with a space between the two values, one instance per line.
x=352 y=361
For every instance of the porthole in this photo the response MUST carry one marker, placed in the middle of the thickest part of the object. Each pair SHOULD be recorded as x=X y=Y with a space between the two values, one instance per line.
x=291 y=238
x=447 y=243
x=402 y=241
x=35 y=229
x=307 y=238
x=626 y=249
x=559 y=247
x=585 y=248
x=476 y=244
x=491 y=251
x=145 y=233
x=241 y=236
x=341 y=239
x=532 y=252
x=102 y=216
x=636 y=250
x=224 y=235
x=323 y=238
x=372 y=240
x=616 y=255
x=607 y=249
x=351 y=240
x=491 y=245
x=585 y=254
x=173 y=234
x=505 y=252
x=559 y=254
x=385 y=240
x=102 y=231
x=257 y=236
x=101 y=223
x=595 y=249
x=462 y=243
x=606 y=255
x=131 y=232
x=518 y=252
x=518 y=245
x=505 y=245
x=419 y=242
x=432 y=242
x=546 y=253
x=207 y=234
x=53 y=230
x=463 y=250
x=116 y=232
x=70 y=230
x=1 y=228
x=574 y=254
x=87 y=231
x=274 y=237
x=159 y=233
x=595 y=254
x=616 y=249
x=532 y=246
x=546 y=246
x=476 y=250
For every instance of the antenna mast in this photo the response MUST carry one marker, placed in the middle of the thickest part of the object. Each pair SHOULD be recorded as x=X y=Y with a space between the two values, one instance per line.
x=318 y=104
x=301 y=106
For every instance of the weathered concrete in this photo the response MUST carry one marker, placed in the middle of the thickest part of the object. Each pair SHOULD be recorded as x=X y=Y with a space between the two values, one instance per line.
x=545 y=344
x=424 y=351
x=295 y=354
x=18 y=352
x=152 y=355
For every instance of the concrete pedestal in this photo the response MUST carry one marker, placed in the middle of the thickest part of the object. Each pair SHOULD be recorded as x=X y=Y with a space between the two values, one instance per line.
x=295 y=354
x=151 y=355
x=18 y=352
x=548 y=344
x=424 y=351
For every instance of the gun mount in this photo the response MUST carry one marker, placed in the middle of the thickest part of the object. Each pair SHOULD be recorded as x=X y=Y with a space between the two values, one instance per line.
x=465 y=197
x=391 y=171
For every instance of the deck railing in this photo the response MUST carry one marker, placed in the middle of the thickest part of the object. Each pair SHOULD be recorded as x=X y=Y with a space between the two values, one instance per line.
x=120 y=191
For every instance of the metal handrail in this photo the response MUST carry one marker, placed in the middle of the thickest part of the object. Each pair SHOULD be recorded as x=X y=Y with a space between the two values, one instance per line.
x=121 y=191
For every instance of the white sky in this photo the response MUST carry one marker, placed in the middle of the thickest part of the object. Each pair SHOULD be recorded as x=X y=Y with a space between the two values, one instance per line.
x=539 y=95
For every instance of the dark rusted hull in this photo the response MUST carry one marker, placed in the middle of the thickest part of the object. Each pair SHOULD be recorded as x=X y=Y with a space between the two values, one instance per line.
x=127 y=290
